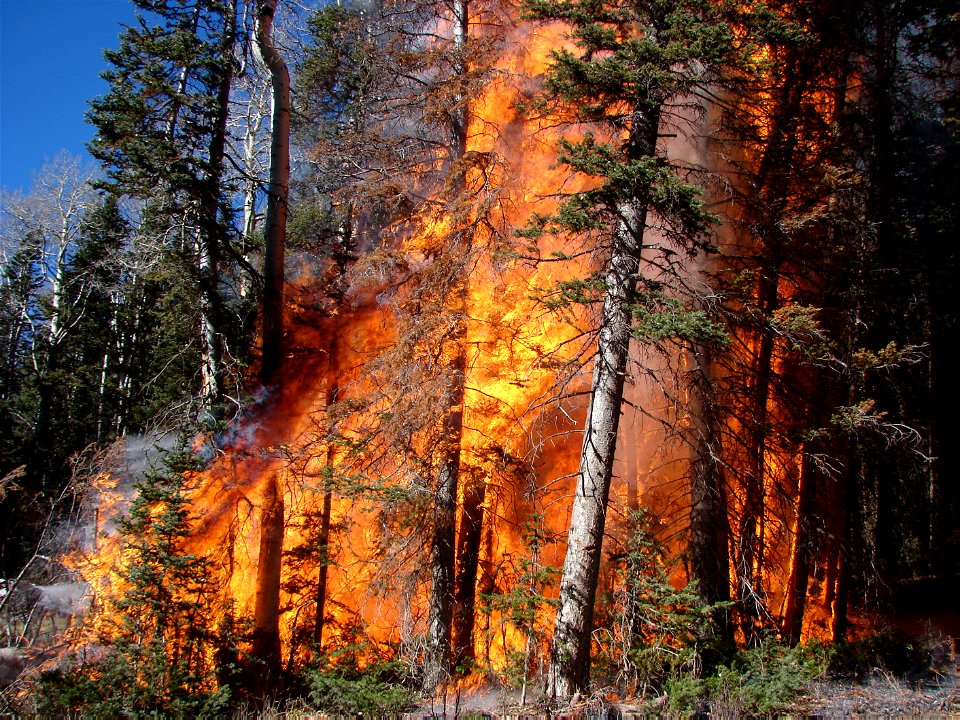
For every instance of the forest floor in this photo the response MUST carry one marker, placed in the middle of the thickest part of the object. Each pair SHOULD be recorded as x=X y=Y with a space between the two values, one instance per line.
x=884 y=695
x=878 y=694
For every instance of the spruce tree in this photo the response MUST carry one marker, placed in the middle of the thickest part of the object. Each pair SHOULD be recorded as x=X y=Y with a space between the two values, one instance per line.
x=159 y=642
x=161 y=136
x=627 y=70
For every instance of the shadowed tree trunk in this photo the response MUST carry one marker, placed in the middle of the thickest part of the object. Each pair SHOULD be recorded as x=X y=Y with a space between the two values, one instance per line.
x=210 y=238
x=266 y=640
x=266 y=614
x=799 y=579
x=437 y=655
x=324 y=556
x=709 y=526
x=469 y=541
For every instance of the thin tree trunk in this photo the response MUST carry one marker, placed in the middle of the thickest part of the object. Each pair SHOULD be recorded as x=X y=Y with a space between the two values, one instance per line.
x=266 y=614
x=443 y=543
x=269 y=567
x=750 y=564
x=278 y=191
x=799 y=578
x=709 y=526
x=323 y=555
x=210 y=235
x=469 y=541
x=569 y=670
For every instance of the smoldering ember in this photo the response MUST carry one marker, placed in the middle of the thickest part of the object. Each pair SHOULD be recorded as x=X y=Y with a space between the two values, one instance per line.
x=513 y=357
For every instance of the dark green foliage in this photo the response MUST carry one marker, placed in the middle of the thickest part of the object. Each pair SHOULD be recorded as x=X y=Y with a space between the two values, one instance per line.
x=358 y=679
x=159 y=652
x=335 y=75
x=632 y=66
x=154 y=126
x=639 y=54
x=161 y=137
x=657 y=630
x=523 y=601
x=765 y=680
x=888 y=651
x=378 y=690
x=58 y=385
x=657 y=317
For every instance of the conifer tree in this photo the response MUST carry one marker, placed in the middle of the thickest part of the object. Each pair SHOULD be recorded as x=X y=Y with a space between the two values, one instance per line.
x=630 y=65
x=161 y=136
x=395 y=85
x=159 y=643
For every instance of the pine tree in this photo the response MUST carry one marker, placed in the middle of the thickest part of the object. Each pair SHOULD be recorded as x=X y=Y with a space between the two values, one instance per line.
x=395 y=95
x=628 y=67
x=161 y=136
x=159 y=643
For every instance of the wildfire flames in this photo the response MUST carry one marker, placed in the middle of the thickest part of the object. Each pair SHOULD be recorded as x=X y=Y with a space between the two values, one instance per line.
x=349 y=541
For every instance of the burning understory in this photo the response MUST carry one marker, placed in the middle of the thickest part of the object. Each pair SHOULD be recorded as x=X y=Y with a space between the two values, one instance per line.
x=564 y=398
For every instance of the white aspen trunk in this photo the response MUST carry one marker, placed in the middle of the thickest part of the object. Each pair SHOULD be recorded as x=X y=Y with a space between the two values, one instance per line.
x=56 y=286
x=569 y=670
x=210 y=355
x=269 y=567
x=275 y=229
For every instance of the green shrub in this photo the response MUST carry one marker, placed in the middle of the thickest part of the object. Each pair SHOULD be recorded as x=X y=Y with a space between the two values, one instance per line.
x=378 y=690
x=890 y=651
x=685 y=694
x=657 y=631
x=763 y=680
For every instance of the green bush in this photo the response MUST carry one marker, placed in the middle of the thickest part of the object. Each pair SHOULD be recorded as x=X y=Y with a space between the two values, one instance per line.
x=763 y=680
x=111 y=688
x=657 y=631
x=890 y=651
x=685 y=694
x=378 y=690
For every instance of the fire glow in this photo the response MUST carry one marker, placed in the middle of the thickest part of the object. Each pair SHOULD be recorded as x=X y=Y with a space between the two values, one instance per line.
x=347 y=546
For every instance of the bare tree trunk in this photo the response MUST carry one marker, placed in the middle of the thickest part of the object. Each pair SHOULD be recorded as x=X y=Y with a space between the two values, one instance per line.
x=266 y=614
x=569 y=671
x=443 y=543
x=278 y=191
x=210 y=238
x=799 y=578
x=269 y=567
x=469 y=541
x=750 y=564
x=709 y=526
x=323 y=558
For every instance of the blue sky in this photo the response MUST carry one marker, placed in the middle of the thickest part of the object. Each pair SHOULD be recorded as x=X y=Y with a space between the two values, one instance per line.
x=50 y=62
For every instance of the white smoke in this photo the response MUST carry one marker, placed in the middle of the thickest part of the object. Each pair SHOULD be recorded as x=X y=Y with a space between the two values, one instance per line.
x=66 y=598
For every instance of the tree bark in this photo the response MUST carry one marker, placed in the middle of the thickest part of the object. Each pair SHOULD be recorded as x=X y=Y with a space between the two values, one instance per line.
x=267 y=611
x=278 y=191
x=323 y=558
x=443 y=543
x=750 y=563
x=210 y=234
x=266 y=614
x=799 y=578
x=469 y=541
x=569 y=670
x=709 y=526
